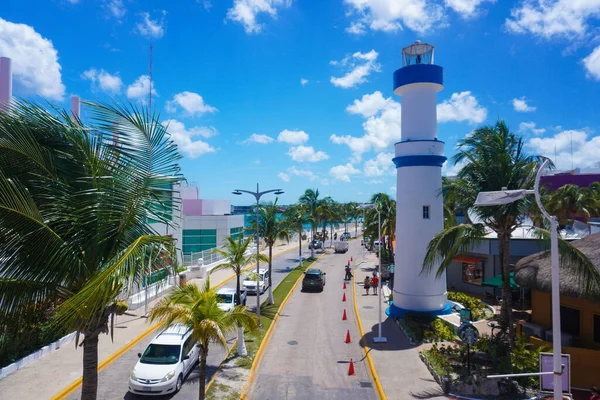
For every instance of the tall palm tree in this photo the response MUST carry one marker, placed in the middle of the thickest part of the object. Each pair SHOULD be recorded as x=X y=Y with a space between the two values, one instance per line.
x=271 y=228
x=571 y=201
x=495 y=159
x=295 y=217
x=310 y=201
x=75 y=205
x=354 y=212
x=387 y=208
x=198 y=310
x=326 y=211
x=234 y=252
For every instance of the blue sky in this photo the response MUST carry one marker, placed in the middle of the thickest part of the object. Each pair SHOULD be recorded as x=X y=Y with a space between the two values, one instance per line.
x=297 y=94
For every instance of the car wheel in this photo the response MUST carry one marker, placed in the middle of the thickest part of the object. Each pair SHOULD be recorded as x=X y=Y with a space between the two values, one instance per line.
x=179 y=383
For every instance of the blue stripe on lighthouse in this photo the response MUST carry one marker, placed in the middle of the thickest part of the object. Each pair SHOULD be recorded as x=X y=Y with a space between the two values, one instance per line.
x=418 y=73
x=419 y=161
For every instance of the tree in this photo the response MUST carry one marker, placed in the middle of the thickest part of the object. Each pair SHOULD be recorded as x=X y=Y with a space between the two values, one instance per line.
x=310 y=201
x=295 y=217
x=570 y=201
x=198 y=310
x=234 y=253
x=355 y=213
x=387 y=207
x=327 y=213
x=494 y=159
x=271 y=228
x=75 y=205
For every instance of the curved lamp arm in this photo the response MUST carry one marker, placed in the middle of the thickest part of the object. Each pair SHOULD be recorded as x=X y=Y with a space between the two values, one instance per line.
x=536 y=190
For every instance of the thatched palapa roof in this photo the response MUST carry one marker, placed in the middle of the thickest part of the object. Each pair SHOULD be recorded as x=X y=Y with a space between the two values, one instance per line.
x=535 y=271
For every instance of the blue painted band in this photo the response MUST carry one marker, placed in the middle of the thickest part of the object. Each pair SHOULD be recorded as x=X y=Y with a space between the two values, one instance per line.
x=394 y=311
x=420 y=140
x=419 y=161
x=418 y=73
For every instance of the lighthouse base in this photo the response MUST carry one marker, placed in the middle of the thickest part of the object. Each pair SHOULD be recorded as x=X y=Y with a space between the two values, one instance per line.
x=393 y=311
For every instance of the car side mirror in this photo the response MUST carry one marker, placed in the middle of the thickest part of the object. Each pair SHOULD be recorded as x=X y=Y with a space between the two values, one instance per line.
x=139 y=355
x=324 y=273
x=186 y=357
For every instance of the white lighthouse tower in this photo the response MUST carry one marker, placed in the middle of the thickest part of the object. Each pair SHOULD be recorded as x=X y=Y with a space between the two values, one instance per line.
x=418 y=157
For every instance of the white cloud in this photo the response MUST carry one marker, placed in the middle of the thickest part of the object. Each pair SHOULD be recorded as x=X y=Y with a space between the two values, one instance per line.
x=450 y=169
x=151 y=28
x=258 y=138
x=553 y=18
x=466 y=8
x=104 y=80
x=585 y=151
x=359 y=66
x=245 y=12
x=34 y=61
x=343 y=172
x=521 y=105
x=306 y=154
x=374 y=182
x=530 y=127
x=292 y=137
x=284 y=177
x=592 y=64
x=380 y=165
x=392 y=15
x=356 y=28
x=301 y=172
x=461 y=107
x=140 y=88
x=115 y=8
x=192 y=103
x=369 y=105
x=184 y=138
x=303 y=82
x=381 y=130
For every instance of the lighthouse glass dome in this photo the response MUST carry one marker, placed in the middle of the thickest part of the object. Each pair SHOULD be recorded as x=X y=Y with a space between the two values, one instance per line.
x=417 y=53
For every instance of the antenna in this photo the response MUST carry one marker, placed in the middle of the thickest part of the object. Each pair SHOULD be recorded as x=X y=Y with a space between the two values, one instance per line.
x=150 y=89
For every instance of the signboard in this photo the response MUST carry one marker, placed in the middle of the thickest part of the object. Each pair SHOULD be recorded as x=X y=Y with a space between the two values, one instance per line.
x=465 y=316
x=468 y=333
x=546 y=365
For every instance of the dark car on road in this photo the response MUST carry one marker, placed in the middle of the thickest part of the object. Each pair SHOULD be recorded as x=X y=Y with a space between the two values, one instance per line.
x=314 y=279
x=317 y=244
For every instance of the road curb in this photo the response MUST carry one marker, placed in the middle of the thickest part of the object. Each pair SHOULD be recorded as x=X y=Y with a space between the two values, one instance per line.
x=220 y=365
x=361 y=331
x=265 y=342
x=77 y=382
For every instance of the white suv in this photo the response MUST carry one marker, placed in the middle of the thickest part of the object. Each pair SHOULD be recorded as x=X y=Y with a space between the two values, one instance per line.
x=165 y=363
x=263 y=283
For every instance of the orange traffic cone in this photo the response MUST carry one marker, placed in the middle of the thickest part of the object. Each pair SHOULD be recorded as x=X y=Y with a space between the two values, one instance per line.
x=344 y=298
x=344 y=317
x=351 y=368
x=348 y=340
x=344 y=284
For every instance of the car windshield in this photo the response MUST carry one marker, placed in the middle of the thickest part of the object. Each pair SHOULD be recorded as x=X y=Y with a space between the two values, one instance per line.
x=312 y=277
x=225 y=298
x=161 y=354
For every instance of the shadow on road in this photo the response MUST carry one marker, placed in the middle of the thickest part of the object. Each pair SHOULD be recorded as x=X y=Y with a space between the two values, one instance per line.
x=396 y=339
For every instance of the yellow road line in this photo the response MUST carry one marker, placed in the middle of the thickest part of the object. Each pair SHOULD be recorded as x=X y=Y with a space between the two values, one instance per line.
x=77 y=382
x=370 y=364
x=265 y=342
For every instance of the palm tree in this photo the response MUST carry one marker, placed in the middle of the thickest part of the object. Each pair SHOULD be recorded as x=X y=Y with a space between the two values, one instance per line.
x=76 y=203
x=354 y=212
x=198 y=310
x=494 y=159
x=326 y=210
x=234 y=253
x=295 y=217
x=310 y=201
x=387 y=207
x=571 y=201
x=271 y=228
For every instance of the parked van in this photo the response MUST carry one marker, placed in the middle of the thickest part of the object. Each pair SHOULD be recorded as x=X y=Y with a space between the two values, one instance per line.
x=340 y=247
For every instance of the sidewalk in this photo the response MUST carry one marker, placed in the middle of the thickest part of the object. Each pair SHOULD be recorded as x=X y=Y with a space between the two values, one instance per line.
x=49 y=375
x=401 y=372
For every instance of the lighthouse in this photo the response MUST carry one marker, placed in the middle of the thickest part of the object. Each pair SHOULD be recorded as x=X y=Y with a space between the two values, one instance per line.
x=419 y=156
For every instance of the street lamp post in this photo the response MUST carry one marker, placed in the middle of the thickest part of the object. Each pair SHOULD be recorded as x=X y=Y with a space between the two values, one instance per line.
x=380 y=338
x=257 y=195
x=509 y=196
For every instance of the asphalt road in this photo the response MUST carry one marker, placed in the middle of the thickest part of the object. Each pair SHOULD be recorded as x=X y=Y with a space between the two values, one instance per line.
x=307 y=357
x=113 y=380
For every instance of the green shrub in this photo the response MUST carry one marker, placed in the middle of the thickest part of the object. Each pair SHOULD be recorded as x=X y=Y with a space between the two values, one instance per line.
x=478 y=309
x=438 y=362
x=438 y=331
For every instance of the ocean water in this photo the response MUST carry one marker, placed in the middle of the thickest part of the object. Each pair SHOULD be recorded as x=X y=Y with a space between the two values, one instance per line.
x=249 y=217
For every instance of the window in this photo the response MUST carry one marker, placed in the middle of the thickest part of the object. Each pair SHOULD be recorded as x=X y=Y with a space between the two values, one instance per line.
x=596 y=328
x=569 y=320
x=188 y=345
x=425 y=212
x=473 y=273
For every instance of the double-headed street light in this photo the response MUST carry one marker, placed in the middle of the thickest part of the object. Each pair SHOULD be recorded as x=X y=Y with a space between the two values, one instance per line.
x=380 y=338
x=257 y=195
x=503 y=197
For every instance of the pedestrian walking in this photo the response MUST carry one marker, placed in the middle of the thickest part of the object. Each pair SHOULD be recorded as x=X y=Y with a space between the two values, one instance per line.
x=348 y=273
x=375 y=283
x=367 y=284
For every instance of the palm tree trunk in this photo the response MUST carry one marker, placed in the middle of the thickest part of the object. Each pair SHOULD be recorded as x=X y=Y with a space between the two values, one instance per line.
x=300 y=248
x=506 y=310
x=240 y=334
x=312 y=248
x=202 y=377
x=270 y=267
x=89 y=385
x=355 y=227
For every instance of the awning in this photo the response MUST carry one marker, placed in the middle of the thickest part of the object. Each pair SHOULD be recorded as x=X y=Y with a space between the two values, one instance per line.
x=497 y=281
x=468 y=259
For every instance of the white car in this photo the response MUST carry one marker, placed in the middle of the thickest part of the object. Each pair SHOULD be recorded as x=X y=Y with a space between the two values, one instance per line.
x=227 y=298
x=165 y=363
x=263 y=284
